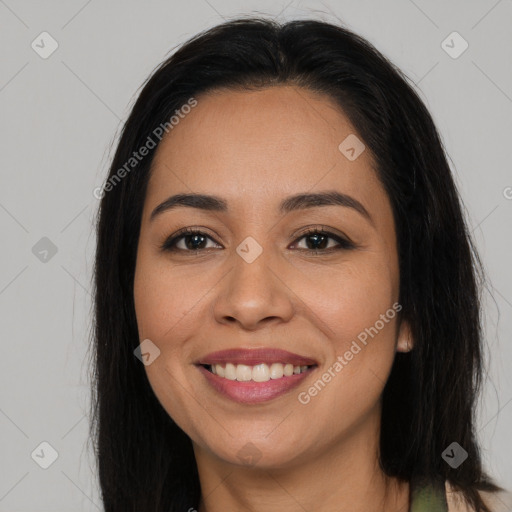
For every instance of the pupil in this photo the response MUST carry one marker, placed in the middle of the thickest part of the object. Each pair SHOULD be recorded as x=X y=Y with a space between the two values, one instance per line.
x=197 y=241
x=316 y=236
x=192 y=245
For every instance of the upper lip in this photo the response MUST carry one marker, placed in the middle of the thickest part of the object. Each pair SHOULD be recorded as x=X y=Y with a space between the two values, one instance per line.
x=256 y=356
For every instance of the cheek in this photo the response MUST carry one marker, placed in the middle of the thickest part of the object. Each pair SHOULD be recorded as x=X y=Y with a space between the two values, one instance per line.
x=352 y=298
x=166 y=296
x=357 y=306
x=165 y=306
x=171 y=301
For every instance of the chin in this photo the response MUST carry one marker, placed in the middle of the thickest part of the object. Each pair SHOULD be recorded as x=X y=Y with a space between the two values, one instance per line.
x=263 y=455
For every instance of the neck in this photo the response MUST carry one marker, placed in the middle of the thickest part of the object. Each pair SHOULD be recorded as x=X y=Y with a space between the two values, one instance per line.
x=344 y=476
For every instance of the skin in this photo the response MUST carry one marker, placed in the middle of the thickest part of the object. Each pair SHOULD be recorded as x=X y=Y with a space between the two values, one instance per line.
x=254 y=149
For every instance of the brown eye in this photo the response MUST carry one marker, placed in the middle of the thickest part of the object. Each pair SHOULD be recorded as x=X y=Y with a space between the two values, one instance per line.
x=318 y=240
x=191 y=241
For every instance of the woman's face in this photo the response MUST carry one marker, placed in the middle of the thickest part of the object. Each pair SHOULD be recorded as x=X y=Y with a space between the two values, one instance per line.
x=253 y=280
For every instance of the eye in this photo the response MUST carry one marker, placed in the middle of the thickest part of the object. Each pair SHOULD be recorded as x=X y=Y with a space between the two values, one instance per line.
x=319 y=241
x=191 y=240
x=194 y=240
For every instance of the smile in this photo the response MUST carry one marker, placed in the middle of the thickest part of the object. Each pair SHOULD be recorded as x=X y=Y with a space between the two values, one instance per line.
x=257 y=373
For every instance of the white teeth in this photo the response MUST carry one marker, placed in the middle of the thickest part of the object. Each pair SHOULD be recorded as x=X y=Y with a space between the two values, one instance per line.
x=230 y=372
x=276 y=371
x=288 y=370
x=243 y=372
x=258 y=373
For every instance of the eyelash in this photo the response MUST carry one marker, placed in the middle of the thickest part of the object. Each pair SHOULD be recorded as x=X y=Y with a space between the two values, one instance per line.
x=169 y=245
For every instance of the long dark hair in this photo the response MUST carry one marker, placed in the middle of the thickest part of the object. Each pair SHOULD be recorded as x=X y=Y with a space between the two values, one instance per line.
x=145 y=460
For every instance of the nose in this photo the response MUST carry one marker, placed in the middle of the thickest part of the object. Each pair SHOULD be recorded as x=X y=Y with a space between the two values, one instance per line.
x=253 y=294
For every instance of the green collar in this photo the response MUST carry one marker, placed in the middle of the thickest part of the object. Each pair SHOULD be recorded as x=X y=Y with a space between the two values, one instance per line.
x=428 y=497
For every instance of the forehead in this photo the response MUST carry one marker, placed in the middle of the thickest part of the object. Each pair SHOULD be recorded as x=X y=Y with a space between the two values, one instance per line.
x=264 y=144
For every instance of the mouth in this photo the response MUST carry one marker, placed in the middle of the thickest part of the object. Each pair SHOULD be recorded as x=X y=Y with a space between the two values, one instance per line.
x=258 y=373
x=254 y=375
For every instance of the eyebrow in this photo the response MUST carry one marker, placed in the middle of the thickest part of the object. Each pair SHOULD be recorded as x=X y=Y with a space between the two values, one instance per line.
x=290 y=204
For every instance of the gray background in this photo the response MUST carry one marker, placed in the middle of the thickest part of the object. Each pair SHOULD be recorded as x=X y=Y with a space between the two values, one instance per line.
x=59 y=118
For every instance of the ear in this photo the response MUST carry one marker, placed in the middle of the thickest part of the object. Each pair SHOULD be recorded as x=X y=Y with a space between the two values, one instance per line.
x=405 y=343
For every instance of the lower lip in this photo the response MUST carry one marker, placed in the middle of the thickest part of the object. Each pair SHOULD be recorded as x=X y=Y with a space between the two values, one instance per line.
x=251 y=392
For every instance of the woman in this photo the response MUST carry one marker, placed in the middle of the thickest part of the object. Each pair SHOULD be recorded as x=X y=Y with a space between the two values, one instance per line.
x=286 y=292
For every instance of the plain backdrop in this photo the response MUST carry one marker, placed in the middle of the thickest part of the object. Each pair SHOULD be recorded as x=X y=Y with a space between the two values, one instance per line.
x=59 y=117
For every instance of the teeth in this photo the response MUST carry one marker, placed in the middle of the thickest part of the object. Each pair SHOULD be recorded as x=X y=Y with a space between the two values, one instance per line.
x=243 y=372
x=258 y=373
x=276 y=370
x=230 y=372
x=288 y=370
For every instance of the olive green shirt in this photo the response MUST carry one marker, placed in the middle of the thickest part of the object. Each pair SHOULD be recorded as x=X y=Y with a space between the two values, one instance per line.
x=428 y=498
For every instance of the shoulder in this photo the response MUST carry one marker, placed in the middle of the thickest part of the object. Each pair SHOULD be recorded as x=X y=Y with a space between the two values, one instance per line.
x=496 y=501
